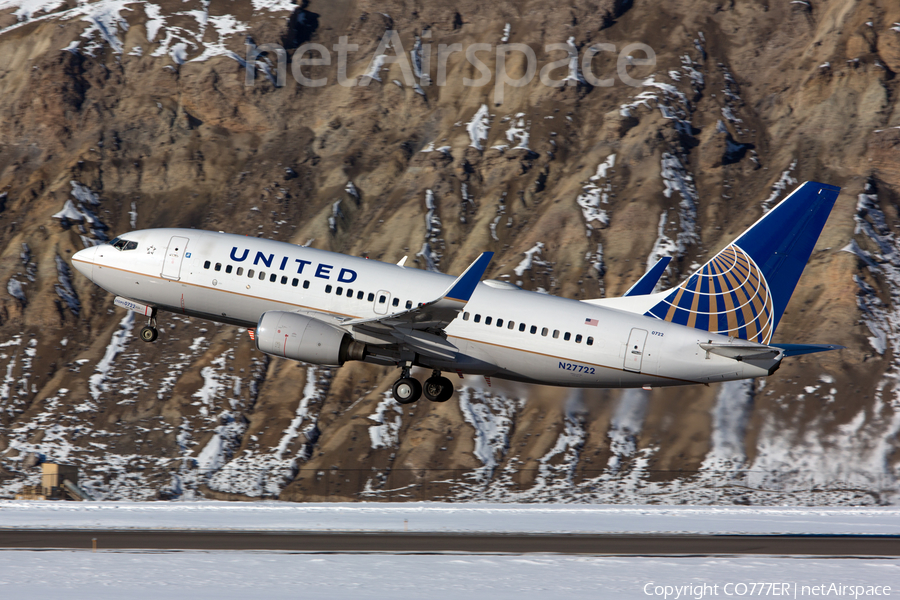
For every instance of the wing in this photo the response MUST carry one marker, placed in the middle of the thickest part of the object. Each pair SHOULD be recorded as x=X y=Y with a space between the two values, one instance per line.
x=422 y=327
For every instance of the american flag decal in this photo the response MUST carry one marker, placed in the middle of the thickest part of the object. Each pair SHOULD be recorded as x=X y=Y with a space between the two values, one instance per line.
x=593 y=322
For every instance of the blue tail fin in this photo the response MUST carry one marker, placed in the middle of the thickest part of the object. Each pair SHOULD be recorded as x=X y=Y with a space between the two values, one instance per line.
x=743 y=290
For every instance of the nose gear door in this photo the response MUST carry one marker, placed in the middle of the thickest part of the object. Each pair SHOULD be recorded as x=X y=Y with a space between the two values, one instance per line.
x=634 y=351
x=174 y=256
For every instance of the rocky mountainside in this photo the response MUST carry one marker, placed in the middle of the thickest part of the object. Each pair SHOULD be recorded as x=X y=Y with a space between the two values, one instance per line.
x=125 y=114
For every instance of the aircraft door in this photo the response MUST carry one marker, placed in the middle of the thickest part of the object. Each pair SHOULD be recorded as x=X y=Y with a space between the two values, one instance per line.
x=174 y=256
x=382 y=301
x=634 y=351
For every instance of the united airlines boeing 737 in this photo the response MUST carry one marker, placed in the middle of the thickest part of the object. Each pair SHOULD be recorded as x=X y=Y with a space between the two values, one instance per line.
x=326 y=308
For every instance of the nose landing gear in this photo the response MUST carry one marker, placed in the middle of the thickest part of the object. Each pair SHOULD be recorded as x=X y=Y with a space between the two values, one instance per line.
x=149 y=333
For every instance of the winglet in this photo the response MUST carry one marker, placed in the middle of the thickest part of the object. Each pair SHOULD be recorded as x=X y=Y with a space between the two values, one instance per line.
x=465 y=284
x=646 y=284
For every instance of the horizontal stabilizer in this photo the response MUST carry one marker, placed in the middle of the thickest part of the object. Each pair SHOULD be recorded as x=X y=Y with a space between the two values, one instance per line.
x=646 y=284
x=741 y=352
x=798 y=349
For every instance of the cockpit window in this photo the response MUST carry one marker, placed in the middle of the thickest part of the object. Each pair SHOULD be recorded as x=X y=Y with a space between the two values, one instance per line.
x=120 y=244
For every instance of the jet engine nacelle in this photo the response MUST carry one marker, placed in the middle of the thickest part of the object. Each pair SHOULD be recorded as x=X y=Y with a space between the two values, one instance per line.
x=306 y=339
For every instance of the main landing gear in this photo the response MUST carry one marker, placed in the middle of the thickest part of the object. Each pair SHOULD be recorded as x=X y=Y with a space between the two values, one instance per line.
x=437 y=388
x=149 y=333
x=407 y=390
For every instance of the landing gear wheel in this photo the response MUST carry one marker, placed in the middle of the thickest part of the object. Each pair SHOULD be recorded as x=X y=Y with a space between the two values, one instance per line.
x=149 y=334
x=407 y=390
x=438 y=389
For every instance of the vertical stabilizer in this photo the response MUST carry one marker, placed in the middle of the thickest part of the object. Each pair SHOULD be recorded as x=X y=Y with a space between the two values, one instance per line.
x=743 y=290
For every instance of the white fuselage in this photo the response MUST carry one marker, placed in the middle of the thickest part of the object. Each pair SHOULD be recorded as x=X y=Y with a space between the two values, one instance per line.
x=560 y=344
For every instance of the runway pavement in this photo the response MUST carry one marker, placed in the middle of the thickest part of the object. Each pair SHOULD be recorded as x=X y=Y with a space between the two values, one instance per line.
x=415 y=542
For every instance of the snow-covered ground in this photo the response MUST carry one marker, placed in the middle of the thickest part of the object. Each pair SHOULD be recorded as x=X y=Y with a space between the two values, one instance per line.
x=438 y=517
x=140 y=575
x=273 y=575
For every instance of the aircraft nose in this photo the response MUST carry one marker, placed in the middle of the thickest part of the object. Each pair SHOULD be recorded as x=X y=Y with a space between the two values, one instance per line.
x=83 y=261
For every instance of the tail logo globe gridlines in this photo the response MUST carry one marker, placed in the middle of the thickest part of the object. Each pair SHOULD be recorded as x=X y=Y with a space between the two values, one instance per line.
x=728 y=296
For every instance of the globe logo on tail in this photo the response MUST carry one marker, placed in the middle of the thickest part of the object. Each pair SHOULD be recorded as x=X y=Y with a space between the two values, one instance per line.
x=729 y=295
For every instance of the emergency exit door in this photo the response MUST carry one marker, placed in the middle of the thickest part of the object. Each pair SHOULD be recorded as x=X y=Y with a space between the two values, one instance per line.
x=382 y=302
x=174 y=257
x=634 y=352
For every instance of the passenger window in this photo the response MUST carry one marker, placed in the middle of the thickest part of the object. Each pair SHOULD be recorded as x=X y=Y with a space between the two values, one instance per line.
x=590 y=341
x=273 y=277
x=371 y=297
x=545 y=331
x=396 y=302
x=283 y=280
x=306 y=285
x=262 y=275
x=578 y=339
x=487 y=320
x=556 y=334
x=206 y=265
x=499 y=322
x=295 y=282
x=218 y=266
x=360 y=295
x=327 y=289
x=382 y=299
x=339 y=291
x=511 y=325
x=349 y=293
x=408 y=304
x=465 y=316
x=228 y=268
x=568 y=336
x=534 y=329
x=250 y=273
x=477 y=319
x=521 y=326
x=240 y=271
